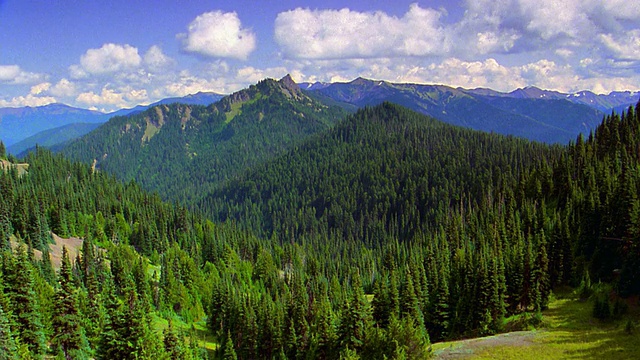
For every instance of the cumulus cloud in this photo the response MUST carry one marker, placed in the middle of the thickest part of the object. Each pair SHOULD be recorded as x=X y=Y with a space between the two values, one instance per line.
x=109 y=98
x=219 y=35
x=188 y=84
x=155 y=59
x=39 y=88
x=9 y=73
x=542 y=24
x=110 y=58
x=13 y=74
x=28 y=100
x=337 y=34
x=252 y=75
x=64 y=88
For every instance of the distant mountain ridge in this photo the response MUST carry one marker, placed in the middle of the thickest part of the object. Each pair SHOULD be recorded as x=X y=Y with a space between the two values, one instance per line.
x=19 y=124
x=521 y=114
x=602 y=102
x=531 y=113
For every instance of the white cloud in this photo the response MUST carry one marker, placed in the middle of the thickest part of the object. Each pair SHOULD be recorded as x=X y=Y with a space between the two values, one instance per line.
x=188 y=84
x=9 y=73
x=251 y=75
x=110 y=58
x=113 y=99
x=13 y=74
x=625 y=47
x=565 y=53
x=155 y=59
x=40 y=88
x=455 y=72
x=219 y=35
x=339 y=34
x=63 y=88
x=28 y=100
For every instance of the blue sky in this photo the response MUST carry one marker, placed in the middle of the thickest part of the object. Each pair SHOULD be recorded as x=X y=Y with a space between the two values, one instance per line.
x=107 y=55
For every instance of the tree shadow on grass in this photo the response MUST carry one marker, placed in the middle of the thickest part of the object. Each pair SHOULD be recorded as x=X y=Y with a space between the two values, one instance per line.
x=579 y=336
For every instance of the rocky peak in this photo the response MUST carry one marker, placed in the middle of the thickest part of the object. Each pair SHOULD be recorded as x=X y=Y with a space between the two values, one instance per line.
x=290 y=88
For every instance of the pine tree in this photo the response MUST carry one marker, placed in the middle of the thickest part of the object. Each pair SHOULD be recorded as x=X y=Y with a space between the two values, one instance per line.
x=174 y=346
x=24 y=304
x=229 y=351
x=68 y=334
x=356 y=317
x=381 y=303
x=8 y=348
x=110 y=345
x=410 y=306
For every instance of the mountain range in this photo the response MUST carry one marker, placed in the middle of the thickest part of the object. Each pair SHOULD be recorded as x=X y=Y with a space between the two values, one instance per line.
x=184 y=150
x=533 y=113
x=23 y=128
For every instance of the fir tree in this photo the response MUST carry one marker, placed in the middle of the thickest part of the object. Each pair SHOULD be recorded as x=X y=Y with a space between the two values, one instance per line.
x=68 y=334
x=229 y=351
x=356 y=317
x=174 y=346
x=8 y=348
x=24 y=305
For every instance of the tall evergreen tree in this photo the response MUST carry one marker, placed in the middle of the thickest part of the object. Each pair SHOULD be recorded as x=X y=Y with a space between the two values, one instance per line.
x=8 y=348
x=68 y=333
x=24 y=304
x=356 y=317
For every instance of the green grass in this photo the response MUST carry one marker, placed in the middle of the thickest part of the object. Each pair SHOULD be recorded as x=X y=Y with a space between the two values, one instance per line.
x=235 y=110
x=204 y=337
x=568 y=331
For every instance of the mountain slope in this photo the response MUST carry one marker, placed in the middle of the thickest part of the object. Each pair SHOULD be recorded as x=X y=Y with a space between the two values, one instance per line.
x=51 y=137
x=17 y=124
x=183 y=151
x=520 y=113
x=385 y=172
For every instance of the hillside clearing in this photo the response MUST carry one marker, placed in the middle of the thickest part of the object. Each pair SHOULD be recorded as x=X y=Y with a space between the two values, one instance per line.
x=73 y=245
x=6 y=165
x=569 y=332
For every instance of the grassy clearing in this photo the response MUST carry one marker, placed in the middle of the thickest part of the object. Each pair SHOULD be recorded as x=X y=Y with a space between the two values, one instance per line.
x=235 y=110
x=568 y=332
x=198 y=329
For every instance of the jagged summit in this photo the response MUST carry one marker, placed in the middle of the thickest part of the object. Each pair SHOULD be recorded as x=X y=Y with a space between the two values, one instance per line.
x=288 y=82
x=290 y=88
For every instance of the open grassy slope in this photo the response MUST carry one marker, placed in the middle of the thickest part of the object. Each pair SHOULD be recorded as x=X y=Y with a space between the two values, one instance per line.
x=568 y=332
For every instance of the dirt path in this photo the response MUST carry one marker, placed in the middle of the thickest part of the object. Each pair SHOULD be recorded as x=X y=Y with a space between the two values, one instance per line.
x=464 y=349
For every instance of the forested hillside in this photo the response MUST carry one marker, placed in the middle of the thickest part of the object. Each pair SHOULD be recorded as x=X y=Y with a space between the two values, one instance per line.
x=183 y=151
x=369 y=240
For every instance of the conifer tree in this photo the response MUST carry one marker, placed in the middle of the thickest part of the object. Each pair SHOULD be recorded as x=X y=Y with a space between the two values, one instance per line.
x=8 y=348
x=174 y=345
x=68 y=334
x=356 y=317
x=24 y=305
x=410 y=306
x=380 y=303
x=229 y=351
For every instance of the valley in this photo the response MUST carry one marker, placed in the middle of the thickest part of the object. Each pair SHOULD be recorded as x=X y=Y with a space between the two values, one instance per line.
x=279 y=223
x=319 y=180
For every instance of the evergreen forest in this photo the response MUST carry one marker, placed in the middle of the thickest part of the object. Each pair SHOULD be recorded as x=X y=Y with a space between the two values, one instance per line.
x=362 y=236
